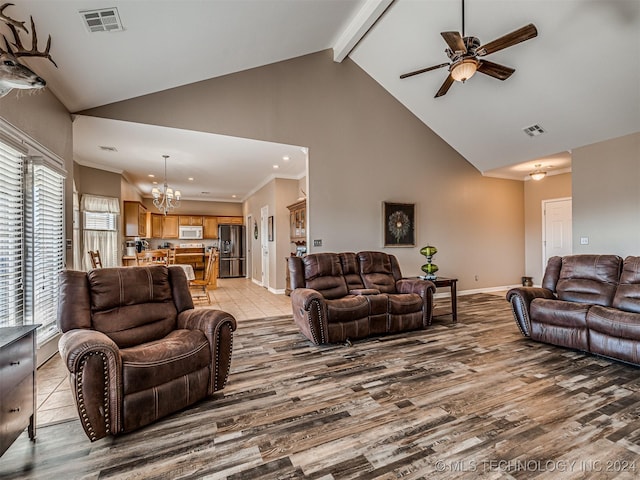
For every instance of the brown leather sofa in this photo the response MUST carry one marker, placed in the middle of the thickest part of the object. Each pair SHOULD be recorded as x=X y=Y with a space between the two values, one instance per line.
x=135 y=348
x=338 y=297
x=586 y=302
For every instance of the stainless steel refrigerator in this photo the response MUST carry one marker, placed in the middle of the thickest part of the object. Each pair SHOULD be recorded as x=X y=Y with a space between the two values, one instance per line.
x=232 y=251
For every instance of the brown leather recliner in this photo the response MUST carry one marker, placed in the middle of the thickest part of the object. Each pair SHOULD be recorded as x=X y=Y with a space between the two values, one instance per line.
x=135 y=348
x=586 y=302
x=346 y=296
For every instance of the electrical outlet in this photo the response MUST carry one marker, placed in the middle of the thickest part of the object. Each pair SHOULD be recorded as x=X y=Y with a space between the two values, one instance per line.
x=584 y=240
x=476 y=278
x=317 y=243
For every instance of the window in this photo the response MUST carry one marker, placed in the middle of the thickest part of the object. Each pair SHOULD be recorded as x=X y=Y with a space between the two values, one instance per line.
x=32 y=244
x=44 y=223
x=100 y=220
x=11 y=235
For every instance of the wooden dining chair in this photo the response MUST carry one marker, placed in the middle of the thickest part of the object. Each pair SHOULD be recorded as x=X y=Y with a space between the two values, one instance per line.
x=194 y=256
x=201 y=286
x=153 y=257
x=96 y=261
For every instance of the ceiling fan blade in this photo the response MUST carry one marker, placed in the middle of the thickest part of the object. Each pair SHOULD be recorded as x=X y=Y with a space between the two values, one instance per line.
x=524 y=33
x=455 y=42
x=411 y=74
x=495 y=70
x=445 y=86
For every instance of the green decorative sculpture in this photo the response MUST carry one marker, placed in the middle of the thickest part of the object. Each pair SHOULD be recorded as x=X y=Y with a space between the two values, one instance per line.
x=429 y=268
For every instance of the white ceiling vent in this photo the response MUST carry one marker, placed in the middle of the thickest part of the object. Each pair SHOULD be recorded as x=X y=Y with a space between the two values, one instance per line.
x=102 y=20
x=533 y=130
x=107 y=148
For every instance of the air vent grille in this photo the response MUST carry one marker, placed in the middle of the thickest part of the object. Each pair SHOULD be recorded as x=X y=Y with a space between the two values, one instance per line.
x=107 y=148
x=533 y=130
x=102 y=20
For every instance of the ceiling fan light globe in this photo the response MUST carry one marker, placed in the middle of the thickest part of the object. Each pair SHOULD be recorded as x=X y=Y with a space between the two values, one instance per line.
x=538 y=175
x=464 y=70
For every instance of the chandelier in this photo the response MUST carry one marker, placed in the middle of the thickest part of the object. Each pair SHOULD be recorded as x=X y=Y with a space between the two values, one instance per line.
x=166 y=199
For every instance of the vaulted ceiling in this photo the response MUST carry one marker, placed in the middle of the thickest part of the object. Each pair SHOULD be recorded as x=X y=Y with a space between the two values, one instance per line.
x=579 y=79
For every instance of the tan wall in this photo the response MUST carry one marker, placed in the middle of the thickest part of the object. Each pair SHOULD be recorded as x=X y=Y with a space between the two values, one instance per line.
x=42 y=117
x=276 y=195
x=128 y=192
x=94 y=181
x=364 y=148
x=606 y=197
x=195 y=207
x=556 y=186
x=287 y=192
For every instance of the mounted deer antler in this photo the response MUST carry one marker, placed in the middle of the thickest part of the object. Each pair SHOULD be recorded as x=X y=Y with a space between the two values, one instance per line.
x=20 y=51
x=11 y=21
x=13 y=74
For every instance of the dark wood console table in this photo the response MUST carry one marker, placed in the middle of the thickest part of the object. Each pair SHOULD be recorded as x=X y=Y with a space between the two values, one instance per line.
x=17 y=383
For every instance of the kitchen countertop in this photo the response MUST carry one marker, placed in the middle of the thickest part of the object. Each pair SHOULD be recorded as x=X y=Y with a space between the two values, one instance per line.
x=132 y=257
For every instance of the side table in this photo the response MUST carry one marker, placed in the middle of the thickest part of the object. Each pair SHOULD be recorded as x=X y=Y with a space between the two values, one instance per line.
x=451 y=283
x=17 y=383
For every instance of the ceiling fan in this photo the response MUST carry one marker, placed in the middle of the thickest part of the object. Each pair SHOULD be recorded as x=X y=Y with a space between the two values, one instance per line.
x=465 y=54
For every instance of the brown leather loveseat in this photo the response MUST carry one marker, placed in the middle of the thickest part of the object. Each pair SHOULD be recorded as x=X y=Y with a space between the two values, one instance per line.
x=346 y=296
x=135 y=347
x=586 y=302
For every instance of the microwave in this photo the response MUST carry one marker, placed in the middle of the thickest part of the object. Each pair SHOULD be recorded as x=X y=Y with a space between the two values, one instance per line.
x=190 y=232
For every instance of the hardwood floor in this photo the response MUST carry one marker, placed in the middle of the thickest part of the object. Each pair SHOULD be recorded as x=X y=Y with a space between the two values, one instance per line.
x=466 y=400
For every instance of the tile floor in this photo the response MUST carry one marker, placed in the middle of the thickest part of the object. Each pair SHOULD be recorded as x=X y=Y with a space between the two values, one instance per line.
x=239 y=296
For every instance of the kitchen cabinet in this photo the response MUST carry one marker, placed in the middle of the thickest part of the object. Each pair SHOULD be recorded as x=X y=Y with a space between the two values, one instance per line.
x=170 y=226
x=193 y=220
x=154 y=225
x=210 y=228
x=298 y=222
x=135 y=219
x=230 y=220
x=17 y=383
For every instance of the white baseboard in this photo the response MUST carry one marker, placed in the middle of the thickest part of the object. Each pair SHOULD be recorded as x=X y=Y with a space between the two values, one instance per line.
x=488 y=290
x=47 y=350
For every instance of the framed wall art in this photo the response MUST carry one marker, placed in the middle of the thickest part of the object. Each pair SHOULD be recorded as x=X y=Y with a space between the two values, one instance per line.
x=399 y=224
x=270 y=228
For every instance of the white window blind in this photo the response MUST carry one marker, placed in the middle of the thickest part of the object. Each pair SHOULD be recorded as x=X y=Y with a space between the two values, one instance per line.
x=11 y=236
x=100 y=221
x=45 y=245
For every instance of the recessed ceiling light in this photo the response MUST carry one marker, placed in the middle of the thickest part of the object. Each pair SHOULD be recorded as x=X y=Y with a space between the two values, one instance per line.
x=154 y=183
x=276 y=166
x=151 y=175
x=286 y=158
x=190 y=179
x=233 y=196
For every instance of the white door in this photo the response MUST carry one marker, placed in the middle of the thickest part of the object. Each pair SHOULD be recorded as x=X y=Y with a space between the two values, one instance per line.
x=249 y=244
x=264 y=213
x=556 y=228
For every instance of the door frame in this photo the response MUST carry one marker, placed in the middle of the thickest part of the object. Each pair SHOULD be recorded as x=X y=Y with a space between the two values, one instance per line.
x=249 y=243
x=264 y=245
